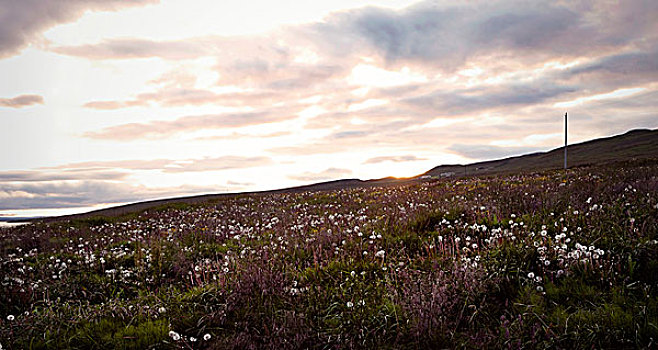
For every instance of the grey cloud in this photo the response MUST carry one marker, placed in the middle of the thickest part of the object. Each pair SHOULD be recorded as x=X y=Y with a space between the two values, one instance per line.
x=84 y=193
x=617 y=70
x=89 y=183
x=488 y=151
x=440 y=35
x=395 y=159
x=21 y=101
x=21 y=22
x=62 y=175
x=460 y=102
x=446 y=36
x=328 y=174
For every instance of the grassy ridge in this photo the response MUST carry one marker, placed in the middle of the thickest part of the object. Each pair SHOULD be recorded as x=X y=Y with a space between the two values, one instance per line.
x=542 y=260
x=634 y=144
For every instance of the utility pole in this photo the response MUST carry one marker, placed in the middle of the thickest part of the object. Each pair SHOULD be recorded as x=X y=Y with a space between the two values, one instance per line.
x=565 y=141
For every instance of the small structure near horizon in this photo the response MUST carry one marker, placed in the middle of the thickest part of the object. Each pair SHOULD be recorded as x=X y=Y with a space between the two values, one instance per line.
x=565 y=140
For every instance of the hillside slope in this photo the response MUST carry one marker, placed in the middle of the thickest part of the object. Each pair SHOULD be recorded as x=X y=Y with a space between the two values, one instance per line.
x=635 y=144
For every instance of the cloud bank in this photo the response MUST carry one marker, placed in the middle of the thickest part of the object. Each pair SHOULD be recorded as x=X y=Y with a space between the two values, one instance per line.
x=21 y=101
x=22 y=22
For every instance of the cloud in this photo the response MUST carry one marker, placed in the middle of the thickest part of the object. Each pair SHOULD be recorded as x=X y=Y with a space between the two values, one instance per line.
x=395 y=159
x=160 y=129
x=21 y=101
x=328 y=174
x=172 y=97
x=219 y=163
x=614 y=71
x=486 y=68
x=55 y=194
x=62 y=175
x=239 y=184
x=439 y=35
x=130 y=48
x=473 y=100
x=165 y=165
x=88 y=183
x=22 y=22
x=489 y=151
x=449 y=34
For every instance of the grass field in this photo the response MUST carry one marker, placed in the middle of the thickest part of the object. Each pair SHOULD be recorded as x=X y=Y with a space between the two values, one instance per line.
x=537 y=260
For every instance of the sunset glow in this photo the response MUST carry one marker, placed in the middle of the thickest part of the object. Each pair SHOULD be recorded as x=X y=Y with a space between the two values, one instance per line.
x=115 y=102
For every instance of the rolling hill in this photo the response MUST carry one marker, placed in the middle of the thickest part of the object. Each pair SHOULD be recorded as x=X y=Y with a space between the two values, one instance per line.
x=634 y=144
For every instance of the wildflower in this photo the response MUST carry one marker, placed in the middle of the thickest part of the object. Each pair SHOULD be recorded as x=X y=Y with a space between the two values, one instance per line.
x=380 y=254
x=10 y=318
x=162 y=310
x=350 y=304
x=207 y=337
x=175 y=336
x=192 y=339
x=540 y=288
x=531 y=275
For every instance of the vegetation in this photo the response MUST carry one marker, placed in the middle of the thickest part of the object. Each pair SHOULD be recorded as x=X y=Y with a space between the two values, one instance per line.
x=541 y=260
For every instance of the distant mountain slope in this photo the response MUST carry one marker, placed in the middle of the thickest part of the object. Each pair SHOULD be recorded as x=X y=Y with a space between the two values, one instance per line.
x=636 y=144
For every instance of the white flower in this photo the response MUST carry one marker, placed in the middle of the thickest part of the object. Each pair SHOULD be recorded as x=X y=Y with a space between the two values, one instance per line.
x=192 y=339
x=175 y=336
x=531 y=275
x=10 y=318
x=207 y=337
x=380 y=254
x=162 y=309
x=350 y=304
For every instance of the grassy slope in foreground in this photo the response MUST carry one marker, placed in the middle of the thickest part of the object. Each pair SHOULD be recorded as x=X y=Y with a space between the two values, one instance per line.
x=517 y=261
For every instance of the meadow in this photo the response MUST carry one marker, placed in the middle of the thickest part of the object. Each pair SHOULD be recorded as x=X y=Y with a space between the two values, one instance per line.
x=547 y=259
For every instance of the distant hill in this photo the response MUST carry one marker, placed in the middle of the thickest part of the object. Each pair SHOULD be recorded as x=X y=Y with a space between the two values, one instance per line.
x=635 y=144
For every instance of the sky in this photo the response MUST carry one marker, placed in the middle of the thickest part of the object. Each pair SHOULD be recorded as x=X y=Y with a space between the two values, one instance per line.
x=109 y=101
